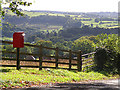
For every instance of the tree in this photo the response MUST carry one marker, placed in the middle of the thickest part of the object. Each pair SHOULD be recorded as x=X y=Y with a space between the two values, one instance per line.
x=91 y=25
x=44 y=44
x=13 y=6
x=8 y=48
x=70 y=23
x=97 y=20
x=85 y=45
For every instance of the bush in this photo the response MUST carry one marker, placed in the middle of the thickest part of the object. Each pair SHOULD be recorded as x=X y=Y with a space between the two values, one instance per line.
x=107 y=53
x=100 y=58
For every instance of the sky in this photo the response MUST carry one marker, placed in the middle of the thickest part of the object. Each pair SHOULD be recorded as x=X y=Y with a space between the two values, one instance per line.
x=74 y=5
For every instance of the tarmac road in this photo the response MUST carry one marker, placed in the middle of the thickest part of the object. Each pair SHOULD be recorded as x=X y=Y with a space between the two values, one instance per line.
x=86 y=85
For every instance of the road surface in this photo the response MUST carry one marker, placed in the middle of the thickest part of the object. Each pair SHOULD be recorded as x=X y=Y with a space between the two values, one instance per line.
x=86 y=85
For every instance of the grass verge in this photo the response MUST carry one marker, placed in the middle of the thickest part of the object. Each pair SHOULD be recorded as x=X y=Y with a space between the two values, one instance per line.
x=11 y=78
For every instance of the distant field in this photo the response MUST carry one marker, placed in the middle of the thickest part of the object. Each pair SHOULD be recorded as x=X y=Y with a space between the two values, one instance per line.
x=33 y=14
x=85 y=20
x=6 y=38
x=102 y=24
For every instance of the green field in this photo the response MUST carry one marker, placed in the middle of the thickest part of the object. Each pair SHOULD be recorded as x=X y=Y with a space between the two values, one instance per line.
x=85 y=20
x=105 y=24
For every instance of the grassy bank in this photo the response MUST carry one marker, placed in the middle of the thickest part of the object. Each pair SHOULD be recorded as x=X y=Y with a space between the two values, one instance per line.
x=29 y=77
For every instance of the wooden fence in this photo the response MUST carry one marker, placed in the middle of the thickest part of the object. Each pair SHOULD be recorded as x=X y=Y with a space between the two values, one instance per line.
x=41 y=55
x=88 y=61
x=81 y=62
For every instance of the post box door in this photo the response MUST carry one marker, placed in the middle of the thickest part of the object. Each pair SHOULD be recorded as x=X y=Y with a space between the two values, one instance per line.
x=18 y=39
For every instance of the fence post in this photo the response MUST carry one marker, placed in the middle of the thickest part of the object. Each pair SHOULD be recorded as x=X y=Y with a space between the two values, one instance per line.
x=56 y=57
x=40 y=58
x=79 y=58
x=17 y=57
x=70 y=58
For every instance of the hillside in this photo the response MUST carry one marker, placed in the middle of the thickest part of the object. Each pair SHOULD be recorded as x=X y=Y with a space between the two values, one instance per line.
x=100 y=19
x=68 y=26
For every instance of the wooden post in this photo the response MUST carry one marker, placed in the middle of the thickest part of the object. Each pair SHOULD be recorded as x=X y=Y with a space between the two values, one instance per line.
x=56 y=57
x=70 y=58
x=40 y=58
x=79 y=58
x=17 y=57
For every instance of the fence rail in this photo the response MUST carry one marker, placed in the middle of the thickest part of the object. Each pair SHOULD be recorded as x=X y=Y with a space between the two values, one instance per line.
x=81 y=61
x=87 y=63
x=56 y=61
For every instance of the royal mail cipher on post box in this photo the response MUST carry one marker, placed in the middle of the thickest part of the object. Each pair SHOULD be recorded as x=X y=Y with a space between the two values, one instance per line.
x=18 y=40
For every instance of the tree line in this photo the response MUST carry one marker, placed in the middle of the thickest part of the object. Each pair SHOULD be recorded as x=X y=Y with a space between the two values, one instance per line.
x=106 y=46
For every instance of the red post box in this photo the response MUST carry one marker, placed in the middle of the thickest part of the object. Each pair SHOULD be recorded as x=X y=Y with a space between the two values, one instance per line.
x=18 y=39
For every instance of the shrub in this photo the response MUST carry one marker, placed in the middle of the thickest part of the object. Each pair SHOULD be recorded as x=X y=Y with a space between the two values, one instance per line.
x=107 y=53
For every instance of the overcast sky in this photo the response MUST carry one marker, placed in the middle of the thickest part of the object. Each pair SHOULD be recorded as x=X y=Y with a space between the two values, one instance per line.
x=74 y=5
